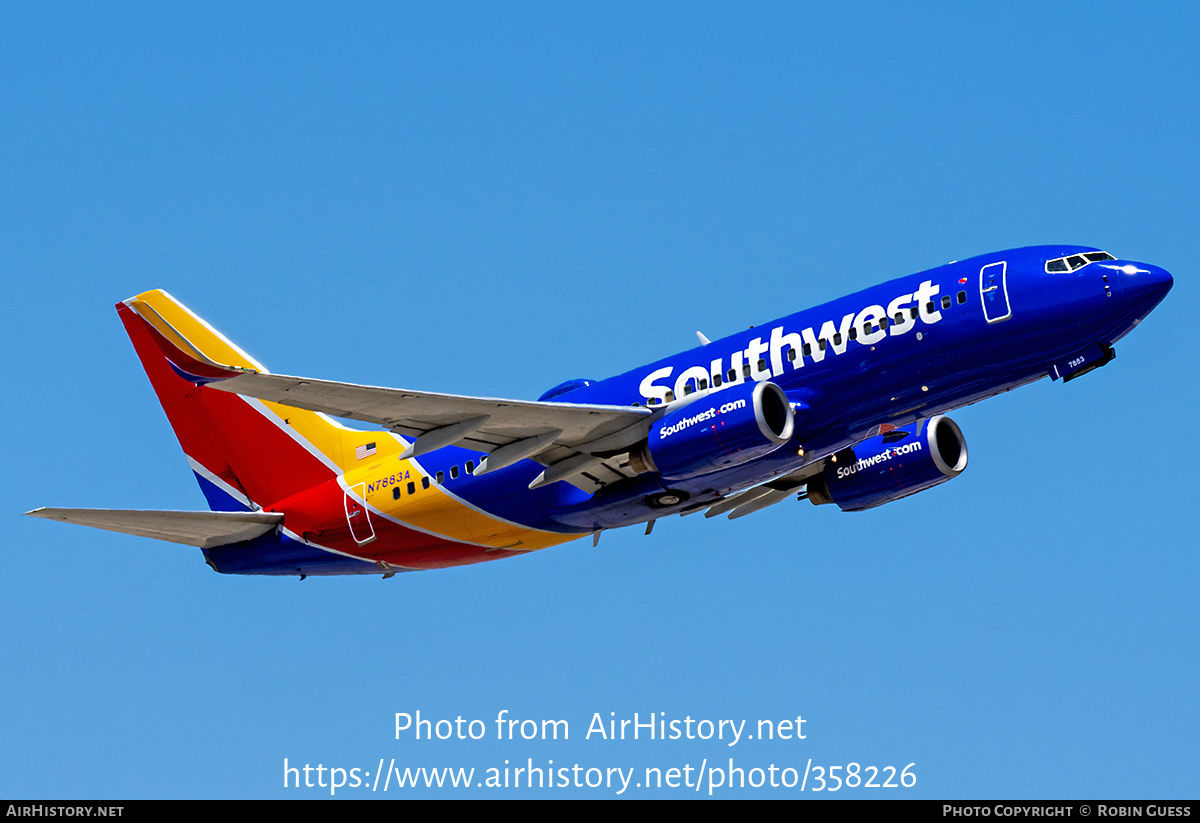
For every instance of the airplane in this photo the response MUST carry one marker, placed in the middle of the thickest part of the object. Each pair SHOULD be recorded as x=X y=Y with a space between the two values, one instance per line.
x=841 y=404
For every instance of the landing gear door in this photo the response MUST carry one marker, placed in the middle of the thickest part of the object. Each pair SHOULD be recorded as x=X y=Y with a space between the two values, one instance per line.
x=993 y=290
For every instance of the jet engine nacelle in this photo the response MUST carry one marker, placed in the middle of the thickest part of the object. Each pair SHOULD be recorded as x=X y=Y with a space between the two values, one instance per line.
x=901 y=462
x=721 y=429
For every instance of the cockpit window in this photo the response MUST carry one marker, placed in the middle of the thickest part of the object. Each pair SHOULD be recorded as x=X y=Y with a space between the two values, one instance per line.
x=1076 y=261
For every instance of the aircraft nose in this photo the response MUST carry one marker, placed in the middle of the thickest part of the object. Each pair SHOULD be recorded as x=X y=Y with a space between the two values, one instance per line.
x=1143 y=283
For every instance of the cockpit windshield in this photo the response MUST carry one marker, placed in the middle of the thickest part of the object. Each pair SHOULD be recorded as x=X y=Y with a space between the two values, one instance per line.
x=1076 y=261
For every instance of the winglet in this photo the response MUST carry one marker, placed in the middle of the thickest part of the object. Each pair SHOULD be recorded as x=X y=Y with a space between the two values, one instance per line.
x=188 y=361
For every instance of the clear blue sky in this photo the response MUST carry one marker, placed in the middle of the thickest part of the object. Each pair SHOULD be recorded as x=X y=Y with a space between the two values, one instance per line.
x=491 y=198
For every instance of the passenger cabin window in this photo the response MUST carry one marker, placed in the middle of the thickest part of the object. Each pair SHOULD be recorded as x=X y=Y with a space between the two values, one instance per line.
x=946 y=302
x=441 y=477
x=470 y=466
x=454 y=472
x=424 y=482
x=412 y=488
x=396 y=493
x=962 y=297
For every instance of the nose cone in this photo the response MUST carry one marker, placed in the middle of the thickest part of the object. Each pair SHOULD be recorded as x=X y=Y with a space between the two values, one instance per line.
x=1149 y=285
x=1142 y=284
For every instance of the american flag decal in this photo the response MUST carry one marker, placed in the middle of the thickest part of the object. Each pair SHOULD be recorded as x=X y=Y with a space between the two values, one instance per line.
x=365 y=451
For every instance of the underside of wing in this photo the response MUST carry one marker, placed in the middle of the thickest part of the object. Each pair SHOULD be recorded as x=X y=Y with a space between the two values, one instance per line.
x=579 y=443
x=482 y=422
x=202 y=529
x=766 y=494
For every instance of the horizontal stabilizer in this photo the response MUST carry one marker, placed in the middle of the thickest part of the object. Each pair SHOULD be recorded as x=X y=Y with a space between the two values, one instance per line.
x=203 y=529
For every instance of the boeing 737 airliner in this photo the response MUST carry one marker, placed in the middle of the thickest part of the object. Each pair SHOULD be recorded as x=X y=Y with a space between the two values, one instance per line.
x=842 y=404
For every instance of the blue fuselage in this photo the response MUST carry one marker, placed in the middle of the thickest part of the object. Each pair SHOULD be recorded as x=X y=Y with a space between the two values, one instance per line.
x=892 y=354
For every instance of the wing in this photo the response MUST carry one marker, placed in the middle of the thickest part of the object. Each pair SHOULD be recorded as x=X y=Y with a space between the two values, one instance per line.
x=766 y=494
x=570 y=439
x=202 y=529
x=586 y=445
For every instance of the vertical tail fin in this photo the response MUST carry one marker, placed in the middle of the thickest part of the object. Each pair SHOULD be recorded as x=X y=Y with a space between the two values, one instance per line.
x=246 y=453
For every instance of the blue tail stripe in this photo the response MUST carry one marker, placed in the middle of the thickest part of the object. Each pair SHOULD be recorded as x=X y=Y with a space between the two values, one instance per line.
x=218 y=499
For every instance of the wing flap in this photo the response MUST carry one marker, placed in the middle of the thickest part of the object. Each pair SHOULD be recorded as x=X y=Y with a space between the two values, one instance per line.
x=204 y=530
x=766 y=494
